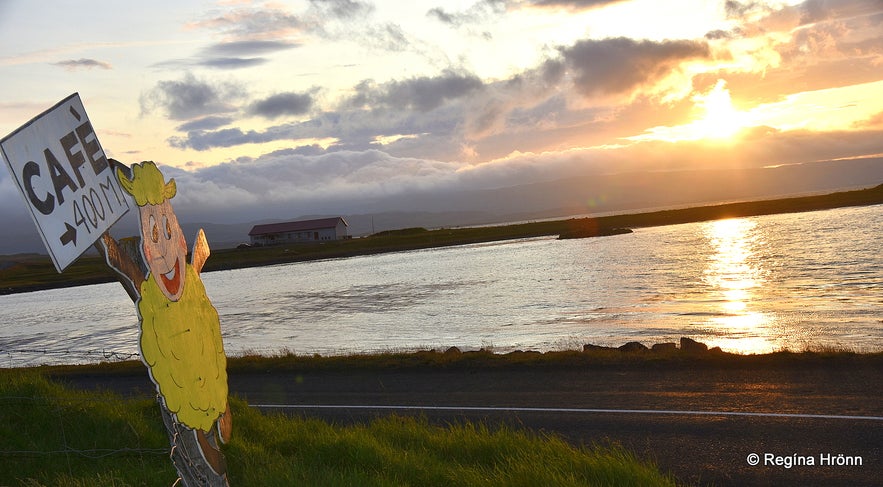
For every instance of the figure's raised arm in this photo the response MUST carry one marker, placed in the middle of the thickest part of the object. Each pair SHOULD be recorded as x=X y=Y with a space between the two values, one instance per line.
x=200 y=252
x=123 y=257
x=120 y=258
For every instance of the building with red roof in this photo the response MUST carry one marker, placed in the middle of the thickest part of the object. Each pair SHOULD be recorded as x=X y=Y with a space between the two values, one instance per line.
x=303 y=231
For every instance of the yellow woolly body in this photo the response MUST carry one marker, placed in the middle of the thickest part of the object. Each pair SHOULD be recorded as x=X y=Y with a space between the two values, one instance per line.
x=181 y=345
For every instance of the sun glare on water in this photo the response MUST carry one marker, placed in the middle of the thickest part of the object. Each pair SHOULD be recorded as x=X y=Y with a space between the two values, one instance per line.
x=733 y=276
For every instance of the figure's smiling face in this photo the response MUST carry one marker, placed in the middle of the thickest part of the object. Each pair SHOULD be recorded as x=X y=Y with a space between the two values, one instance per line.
x=164 y=247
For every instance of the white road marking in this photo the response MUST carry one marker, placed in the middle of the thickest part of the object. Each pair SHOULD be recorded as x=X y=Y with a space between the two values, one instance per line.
x=567 y=410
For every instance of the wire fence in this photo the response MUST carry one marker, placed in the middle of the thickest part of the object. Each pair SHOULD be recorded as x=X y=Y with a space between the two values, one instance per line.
x=93 y=454
x=28 y=357
x=47 y=429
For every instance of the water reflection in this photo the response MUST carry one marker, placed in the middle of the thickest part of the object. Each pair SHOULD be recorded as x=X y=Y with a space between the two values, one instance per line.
x=746 y=285
x=735 y=277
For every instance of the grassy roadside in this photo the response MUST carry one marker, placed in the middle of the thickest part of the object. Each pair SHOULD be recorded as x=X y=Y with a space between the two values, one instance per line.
x=611 y=357
x=487 y=359
x=50 y=435
x=32 y=272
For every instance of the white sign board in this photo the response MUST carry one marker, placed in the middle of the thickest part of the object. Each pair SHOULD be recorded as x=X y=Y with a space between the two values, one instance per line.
x=65 y=178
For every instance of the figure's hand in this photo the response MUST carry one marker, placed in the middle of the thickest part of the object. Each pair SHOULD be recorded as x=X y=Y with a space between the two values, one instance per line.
x=118 y=258
x=200 y=252
x=225 y=425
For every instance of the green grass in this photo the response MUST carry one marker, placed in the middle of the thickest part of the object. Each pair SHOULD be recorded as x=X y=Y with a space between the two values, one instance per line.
x=485 y=359
x=54 y=436
x=814 y=355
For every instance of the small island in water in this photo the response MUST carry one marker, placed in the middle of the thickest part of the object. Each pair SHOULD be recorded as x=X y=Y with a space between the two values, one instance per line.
x=590 y=232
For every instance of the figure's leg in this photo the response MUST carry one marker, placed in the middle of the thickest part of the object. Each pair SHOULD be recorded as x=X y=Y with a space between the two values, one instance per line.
x=211 y=452
x=195 y=455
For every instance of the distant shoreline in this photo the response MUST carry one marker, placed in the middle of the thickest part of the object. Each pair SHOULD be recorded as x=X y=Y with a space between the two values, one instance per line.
x=32 y=272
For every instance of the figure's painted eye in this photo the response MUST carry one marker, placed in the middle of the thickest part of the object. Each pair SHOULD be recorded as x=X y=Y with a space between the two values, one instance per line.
x=154 y=230
x=168 y=229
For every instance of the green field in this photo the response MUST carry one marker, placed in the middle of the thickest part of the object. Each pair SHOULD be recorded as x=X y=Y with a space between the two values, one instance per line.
x=53 y=436
x=31 y=272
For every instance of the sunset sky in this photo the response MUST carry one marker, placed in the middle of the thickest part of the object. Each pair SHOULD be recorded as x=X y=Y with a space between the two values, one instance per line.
x=316 y=106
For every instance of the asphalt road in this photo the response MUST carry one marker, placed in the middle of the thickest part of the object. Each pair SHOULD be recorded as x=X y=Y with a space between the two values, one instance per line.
x=698 y=449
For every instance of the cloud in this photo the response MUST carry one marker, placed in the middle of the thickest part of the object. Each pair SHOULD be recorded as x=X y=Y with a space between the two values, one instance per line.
x=573 y=4
x=444 y=116
x=232 y=63
x=621 y=65
x=587 y=93
x=250 y=24
x=191 y=98
x=232 y=54
x=354 y=129
x=837 y=37
x=270 y=23
x=478 y=12
x=253 y=30
x=300 y=181
x=419 y=105
x=757 y=18
x=248 y=47
x=718 y=34
x=445 y=17
x=740 y=10
x=810 y=46
x=211 y=62
x=205 y=123
x=876 y=121
x=204 y=139
x=82 y=63
x=387 y=36
x=813 y=11
x=455 y=115
x=343 y=9
x=528 y=89
x=291 y=182
x=422 y=93
x=282 y=104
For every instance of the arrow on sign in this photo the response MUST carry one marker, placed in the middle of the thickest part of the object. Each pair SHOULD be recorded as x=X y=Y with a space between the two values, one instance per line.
x=70 y=235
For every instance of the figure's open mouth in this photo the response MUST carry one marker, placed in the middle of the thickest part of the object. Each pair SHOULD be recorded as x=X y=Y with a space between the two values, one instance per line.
x=172 y=279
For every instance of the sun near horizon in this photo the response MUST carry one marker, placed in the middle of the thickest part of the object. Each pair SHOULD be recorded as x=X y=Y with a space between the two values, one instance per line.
x=714 y=118
x=720 y=119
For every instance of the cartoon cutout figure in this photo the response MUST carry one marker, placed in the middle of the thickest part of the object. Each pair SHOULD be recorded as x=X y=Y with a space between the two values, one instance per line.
x=180 y=337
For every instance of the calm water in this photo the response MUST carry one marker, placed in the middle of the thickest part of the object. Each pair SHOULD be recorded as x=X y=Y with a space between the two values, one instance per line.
x=746 y=285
